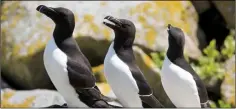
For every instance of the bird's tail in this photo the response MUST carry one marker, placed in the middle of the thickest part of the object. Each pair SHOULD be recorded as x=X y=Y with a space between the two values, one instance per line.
x=150 y=101
x=206 y=104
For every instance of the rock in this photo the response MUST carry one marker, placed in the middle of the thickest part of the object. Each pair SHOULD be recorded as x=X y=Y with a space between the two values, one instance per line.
x=227 y=9
x=43 y=98
x=107 y=91
x=202 y=39
x=26 y=31
x=228 y=85
x=201 y=6
x=30 y=98
x=215 y=19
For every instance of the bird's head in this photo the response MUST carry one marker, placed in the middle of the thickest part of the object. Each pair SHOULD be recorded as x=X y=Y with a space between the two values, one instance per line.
x=176 y=37
x=124 y=29
x=61 y=16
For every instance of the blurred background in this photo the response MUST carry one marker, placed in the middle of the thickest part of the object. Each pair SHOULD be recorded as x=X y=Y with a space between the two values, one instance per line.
x=209 y=27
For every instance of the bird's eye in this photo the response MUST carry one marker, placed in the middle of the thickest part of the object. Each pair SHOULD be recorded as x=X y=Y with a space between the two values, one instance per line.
x=125 y=25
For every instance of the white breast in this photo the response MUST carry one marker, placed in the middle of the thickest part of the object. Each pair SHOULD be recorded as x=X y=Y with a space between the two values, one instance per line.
x=179 y=85
x=121 y=80
x=55 y=63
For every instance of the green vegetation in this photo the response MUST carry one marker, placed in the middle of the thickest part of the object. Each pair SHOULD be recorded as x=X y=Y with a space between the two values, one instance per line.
x=211 y=63
x=222 y=104
x=158 y=58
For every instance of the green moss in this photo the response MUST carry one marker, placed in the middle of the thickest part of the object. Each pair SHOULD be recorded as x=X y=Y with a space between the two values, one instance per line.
x=150 y=36
x=229 y=45
x=158 y=58
x=210 y=64
x=222 y=104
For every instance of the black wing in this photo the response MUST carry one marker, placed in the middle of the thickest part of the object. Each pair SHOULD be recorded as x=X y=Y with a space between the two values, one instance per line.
x=81 y=76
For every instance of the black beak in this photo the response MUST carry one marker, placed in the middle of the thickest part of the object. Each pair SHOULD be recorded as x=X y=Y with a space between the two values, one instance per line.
x=169 y=26
x=48 y=11
x=117 y=22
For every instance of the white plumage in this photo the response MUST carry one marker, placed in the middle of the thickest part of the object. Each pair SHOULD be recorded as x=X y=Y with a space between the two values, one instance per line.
x=55 y=62
x=121 y=80
x=179 y=85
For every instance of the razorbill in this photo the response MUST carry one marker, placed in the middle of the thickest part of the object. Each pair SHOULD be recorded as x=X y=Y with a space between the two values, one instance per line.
x=180 y=82
x=121 y=71
x=67 y=67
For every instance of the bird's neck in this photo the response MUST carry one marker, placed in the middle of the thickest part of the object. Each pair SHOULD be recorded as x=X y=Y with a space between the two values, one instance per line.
x=61 y=33
x=123 y=43
x=174 y=52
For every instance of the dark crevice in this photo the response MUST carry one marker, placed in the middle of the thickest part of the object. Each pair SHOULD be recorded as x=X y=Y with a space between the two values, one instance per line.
x=213 y=25
x=7 y=83
x=214 y=91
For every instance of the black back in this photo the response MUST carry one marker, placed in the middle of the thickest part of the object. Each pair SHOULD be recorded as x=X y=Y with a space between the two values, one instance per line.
x=78 y=66
x=123 y=42
x=176 y=56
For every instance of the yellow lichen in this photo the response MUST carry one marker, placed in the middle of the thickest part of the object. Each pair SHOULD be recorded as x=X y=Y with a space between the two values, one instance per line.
x=15 y=21
x=48 y=28
x=16 y=49
x=98 y=68
x=146 y=6
x=6 y=104
x=150 y=36
x=132 y=11
x=174 y=12
x=94 y=27
x=104 y=88
x=106 y=33
x=88 y=18
x=76 y=18
x=99 y=74
x=103 y=3
x=8 y=94
x=3 y=17
x=141 y=19
x=148 y=61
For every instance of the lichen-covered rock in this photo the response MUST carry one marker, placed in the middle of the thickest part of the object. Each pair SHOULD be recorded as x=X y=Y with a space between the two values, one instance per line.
x=25 y=32
x=30 y=98
x=43 y=98
x=228 y=85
